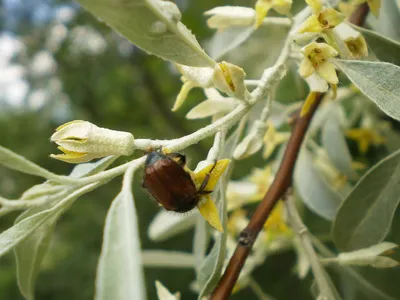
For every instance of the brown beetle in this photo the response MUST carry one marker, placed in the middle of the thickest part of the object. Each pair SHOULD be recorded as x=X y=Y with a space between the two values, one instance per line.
x=168 y=182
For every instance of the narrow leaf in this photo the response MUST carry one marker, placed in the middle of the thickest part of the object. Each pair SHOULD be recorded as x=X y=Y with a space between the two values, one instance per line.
x=119 y=273
x=335 y=144
x=226 y=40
x=23 y=229
x=378 y=81
x=154 y=26
x=166 y=225
x=31 y=251
x=315 y=192
x=19 y=163
x=167 y=259
x=365 y=217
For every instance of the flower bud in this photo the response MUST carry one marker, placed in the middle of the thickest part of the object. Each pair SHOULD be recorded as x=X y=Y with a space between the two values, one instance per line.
x=252 y=143
x=223 y=17
x=82 y=141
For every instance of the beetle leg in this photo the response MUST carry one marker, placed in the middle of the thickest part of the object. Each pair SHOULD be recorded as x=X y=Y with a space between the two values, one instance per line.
x=206 y=179
x=204 y=192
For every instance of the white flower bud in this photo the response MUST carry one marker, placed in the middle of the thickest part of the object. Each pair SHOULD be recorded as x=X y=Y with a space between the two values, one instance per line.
x=228 y=16
x=253 y=142
x=82 y=141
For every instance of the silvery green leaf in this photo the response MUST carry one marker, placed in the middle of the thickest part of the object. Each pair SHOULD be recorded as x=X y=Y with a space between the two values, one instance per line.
x=315 y=192
x=164 y=294
x=334 y=142
x=377 y=80
x=389 y=19
x=119 y=271
x=167 y=259
x=210 y=269
x=365 y=216
x=30 y=252
x=19 y=163
x=323 y=113
x=228 y=39
x=384 y=48
x=200 y=242
x=369 y=256
x=92 y=168
x=23 y=229
x=166 y=225
x=154 y=26
x=42 y=190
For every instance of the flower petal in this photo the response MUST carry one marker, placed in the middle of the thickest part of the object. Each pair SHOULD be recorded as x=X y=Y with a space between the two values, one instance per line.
x=329 y=18
x=187 y=86
x=216 y=173
x=327 y=71
x=210 y=213
x=316 y=5
x=311 y=24
x=211 y=107
x=262 y=8
x=306 y=68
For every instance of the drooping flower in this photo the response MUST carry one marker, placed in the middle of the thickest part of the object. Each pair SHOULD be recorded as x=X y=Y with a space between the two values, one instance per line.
x=82 y=141
x=351 y=42
x=322 y=19
x=226 y=77
x=263 y=6
x=206 y=206
x=317 y=59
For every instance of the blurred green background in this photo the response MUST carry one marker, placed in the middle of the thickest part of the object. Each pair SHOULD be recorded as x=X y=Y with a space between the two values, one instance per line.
x=58 y=63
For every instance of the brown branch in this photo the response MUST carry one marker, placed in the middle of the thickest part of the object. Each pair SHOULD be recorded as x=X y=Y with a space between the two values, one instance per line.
x=279 y=186
x=277 y=189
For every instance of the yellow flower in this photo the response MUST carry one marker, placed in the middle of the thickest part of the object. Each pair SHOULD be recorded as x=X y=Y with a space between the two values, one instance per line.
x=273 y=139
x=206 y=206
x=276 y=225
x=351 y=42
x=365 y=137
x=316 y=59
x=322 y=19
x=263 y=179
x=82 y=141
x=263 y=6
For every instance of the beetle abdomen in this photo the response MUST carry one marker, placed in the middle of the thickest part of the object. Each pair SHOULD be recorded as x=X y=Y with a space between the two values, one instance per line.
x=169 y=183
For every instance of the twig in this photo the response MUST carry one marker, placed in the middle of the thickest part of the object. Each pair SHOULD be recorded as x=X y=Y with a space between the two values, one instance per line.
x=326 y=289
x=279 y=186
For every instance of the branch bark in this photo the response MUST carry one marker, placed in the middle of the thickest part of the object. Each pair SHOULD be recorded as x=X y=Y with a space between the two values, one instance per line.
x=277 y=189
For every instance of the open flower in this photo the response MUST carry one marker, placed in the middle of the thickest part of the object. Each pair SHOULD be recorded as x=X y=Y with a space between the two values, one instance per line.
x=226 y=77
x=263 y=6
x=316 y=59
x=322 y=19
x=206 y=206
x=223 y=17
x=351 y=41
x=365 y=137
x=82 y=141
x=273 y=139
